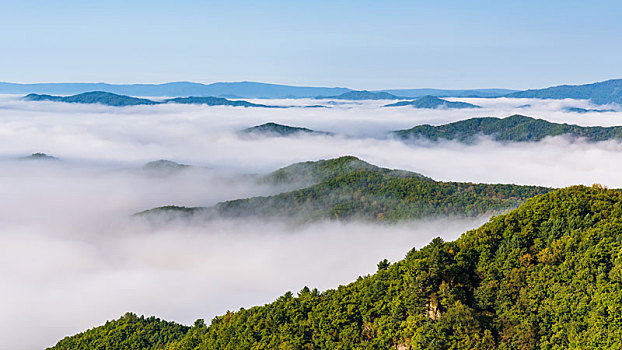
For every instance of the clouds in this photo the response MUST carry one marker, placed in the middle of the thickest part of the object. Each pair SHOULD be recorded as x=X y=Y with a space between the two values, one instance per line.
x=71 y=256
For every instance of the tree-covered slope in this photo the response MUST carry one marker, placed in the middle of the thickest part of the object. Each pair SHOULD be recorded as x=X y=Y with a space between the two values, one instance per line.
x=432 y=102
x=516 y=128
x=101 y=97
x=128 y=332
x=348 y=188
x=604 y=92
x=274 y=129
x=547 y=275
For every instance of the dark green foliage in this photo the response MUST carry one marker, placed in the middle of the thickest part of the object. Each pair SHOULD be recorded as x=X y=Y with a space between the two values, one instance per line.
x=274 y=129
x=128 y=332
x=516 y=128
x=348 y=188
x=604 y=92
x=368 y=195
x=363 y=95
x=547 y=275
x=101 y=97
x=432 y=102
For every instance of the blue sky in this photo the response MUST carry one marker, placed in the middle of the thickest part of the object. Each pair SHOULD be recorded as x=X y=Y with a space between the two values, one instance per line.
x=357 y=44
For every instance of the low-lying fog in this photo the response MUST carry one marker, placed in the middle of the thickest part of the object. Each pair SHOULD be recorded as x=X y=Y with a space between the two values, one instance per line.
x=72 y=257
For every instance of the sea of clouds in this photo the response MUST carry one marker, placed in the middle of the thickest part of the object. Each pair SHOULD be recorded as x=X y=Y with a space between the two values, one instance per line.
x=72 y=256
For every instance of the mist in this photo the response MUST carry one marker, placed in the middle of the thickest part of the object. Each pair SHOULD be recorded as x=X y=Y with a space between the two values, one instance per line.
x=72 y=256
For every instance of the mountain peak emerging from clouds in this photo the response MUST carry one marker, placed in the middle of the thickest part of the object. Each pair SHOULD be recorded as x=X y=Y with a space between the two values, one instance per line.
x=432 y=102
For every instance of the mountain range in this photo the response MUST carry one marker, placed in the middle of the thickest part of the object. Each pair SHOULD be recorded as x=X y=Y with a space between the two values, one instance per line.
x=515 y=128
x=600 y=93
x=547 y=275
x=110 y=99
x=231 y=90
x=432 y=102
x=362 y=95
x=475 y=93
x=348 y=188
x=605 y=92
x=243 y=89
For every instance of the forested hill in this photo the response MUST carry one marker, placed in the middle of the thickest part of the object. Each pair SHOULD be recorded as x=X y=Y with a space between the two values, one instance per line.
x=515 y=128
x=128 y=332
x=312 y=172
x=110 y=99
x=348 y=188
x=100 y=97
x=432 y=102
x=547 y=275
x=274 y=129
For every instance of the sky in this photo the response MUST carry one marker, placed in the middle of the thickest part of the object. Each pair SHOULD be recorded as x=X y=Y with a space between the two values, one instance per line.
x=355 y=44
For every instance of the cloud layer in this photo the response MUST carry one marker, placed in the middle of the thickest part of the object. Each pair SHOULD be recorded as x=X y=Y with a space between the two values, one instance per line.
x=71 y=257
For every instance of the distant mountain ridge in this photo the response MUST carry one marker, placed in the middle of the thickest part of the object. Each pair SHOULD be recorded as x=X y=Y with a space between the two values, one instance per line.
x=588 y=110
x=215 y=101
x=604 y=92
x=110 y=99
x=348 y=188
x=515 y=128
x=100 y=97
x=243 y=89
x=473 y=93
x=432 y=102
x=362 y=95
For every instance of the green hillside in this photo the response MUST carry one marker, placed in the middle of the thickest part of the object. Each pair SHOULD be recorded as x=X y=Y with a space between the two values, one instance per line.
x=515 y=128
x=101 y=97
x=274 y=129
x=349 y=188
x=547 y=275
x=128 y=332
